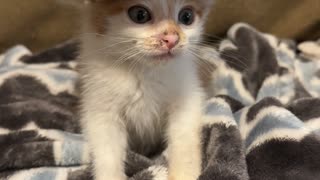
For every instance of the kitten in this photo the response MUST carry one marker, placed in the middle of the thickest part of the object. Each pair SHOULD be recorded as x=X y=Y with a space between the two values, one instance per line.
x=140 y=86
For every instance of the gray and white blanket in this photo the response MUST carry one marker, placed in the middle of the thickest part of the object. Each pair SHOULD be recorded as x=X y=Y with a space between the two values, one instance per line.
x=262 y=123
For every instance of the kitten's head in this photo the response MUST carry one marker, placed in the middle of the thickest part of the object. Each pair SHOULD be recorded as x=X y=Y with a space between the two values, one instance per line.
x=147 y=30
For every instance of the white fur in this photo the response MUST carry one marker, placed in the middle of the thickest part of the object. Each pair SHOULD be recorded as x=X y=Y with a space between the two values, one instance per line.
x=139 y=105
x=144 y=97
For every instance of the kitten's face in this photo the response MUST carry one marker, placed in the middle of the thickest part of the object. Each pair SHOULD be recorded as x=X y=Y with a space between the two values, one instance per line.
x=149 y=31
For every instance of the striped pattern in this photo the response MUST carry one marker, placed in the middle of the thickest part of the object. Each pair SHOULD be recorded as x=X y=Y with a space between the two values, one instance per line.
x=262 y=123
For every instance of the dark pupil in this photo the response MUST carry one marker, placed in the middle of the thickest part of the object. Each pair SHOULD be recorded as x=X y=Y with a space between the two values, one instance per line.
x=141 y=15
x=186 y=17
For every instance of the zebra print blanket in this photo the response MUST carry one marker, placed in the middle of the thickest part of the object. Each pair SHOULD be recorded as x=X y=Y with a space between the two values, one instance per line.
x=262 y=123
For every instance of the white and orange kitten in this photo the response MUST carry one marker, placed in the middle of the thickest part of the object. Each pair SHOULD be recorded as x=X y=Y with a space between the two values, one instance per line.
x=140 y=86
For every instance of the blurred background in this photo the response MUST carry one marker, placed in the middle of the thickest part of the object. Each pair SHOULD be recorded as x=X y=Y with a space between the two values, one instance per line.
x=40 y=24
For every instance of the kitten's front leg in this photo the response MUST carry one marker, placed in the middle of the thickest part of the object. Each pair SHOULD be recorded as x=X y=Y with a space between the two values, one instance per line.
x=107 y=141
x=184 y=140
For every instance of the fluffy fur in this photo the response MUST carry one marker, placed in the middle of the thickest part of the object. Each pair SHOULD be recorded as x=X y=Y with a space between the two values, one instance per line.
x=132 y=96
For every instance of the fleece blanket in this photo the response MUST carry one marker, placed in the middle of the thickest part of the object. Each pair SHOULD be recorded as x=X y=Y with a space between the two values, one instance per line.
x=263 y=121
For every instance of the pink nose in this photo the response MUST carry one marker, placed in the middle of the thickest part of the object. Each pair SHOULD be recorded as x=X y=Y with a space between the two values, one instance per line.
x=170 y=40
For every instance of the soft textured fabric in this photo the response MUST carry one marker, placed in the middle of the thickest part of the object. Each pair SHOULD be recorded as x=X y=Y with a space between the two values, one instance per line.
x=262 y=123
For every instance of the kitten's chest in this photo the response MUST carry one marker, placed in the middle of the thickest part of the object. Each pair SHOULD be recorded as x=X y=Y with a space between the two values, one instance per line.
x=154 y=94
x=146 y=115
x=149 y=101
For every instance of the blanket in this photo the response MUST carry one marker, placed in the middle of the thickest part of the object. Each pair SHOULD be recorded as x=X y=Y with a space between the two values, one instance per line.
x=262 y=122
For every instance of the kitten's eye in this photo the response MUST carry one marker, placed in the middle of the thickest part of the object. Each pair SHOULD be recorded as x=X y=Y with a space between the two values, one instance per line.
x=186 y=16
x=139 y=14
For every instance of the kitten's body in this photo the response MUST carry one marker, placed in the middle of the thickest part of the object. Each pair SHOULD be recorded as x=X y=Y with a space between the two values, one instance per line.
x=143 y=97
x=140 y=104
